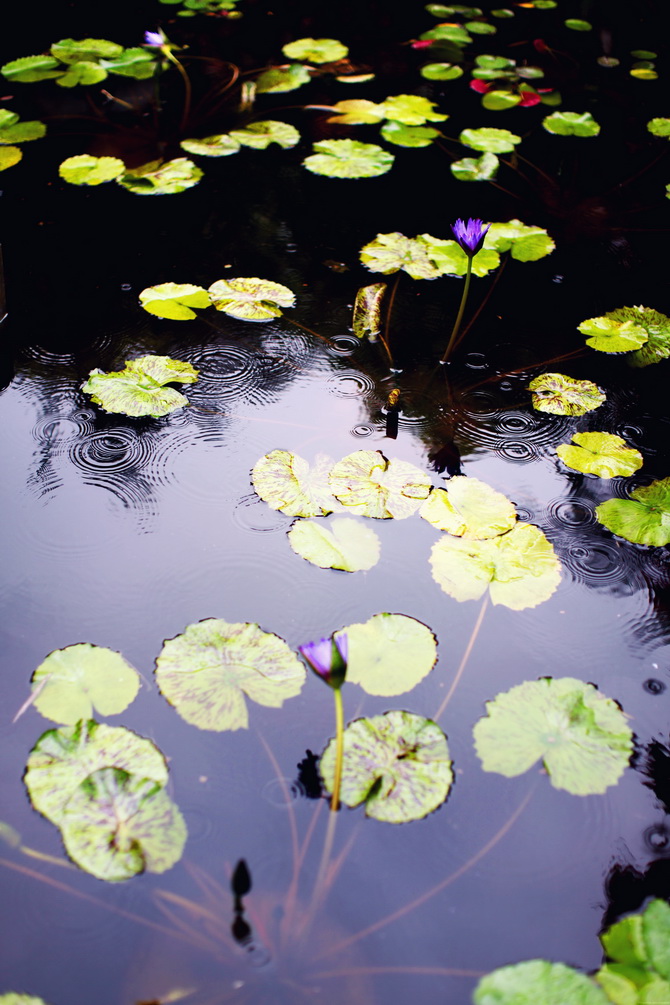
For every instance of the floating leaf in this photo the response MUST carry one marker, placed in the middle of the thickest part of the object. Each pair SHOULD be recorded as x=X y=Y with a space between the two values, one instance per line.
x=251 y=299
x=411 y=110
x=348 y=159
x=480 y=27
x=139 y=388
x=535 y=981
x=571 y=124
x=482 y=168
x=21 y=132
x=163 y=369
x=397 y=764
x=286 y=482
x=494 y=141
x=451 y=260
x=82 y=73
x=447 y=33
x=576 y=24
x=116 y=825
x=408 y=136
x=12 y=998
x=356 y=112
x=138 y=63
x=9 y=156
x=638 y=945
x=499 y=100
x=520 y=568
x=524 y=243
x=259 y=135
x=608 y=334
x=371 y=485
x=469 y=508
x=390 y=252
x=316 y=50
x=561 y=395
x=73 y=682
x=84 y=169
x=341 y=543
x=389 y=654
x=580 y=735
x=207 y=670
x=174 y=300
x=441 y=71
x=28 y=69
x=659 y=127
x=601 y=454
x=656 y=325
x=643 y=519
x=281 y=79
x=219 y=145
x=367 y=311
x=63 y=758
x=155 y=178
x=68 y=50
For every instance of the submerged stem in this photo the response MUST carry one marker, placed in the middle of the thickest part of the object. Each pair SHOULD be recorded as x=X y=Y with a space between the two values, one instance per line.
x=187 y=85
x=339 y=749
x=459 y=316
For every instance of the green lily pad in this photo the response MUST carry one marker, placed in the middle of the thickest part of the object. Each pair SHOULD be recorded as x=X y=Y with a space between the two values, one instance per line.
x=571 y=124
x=610 y=335
x=9 y=156
x=12 y=998
x=174 y=300
x=281 y=79
x=156 y=178
x=21 y=132
x=357 y=112
x=469 y=508
x=341 y=543
x=500 y=100
x=75 y=681
x=643 y=519
x=411 y=110
x=348 y=159
x=450 y=258
x=373 y=486
x=524 y=243
x=316 y=50
x=408 y=136
x=520 y=569
x=441 y=71
x=397 y=764
x=482 y=168
x=207 y=670
x=389 y=654
x=639 y=946
x=601 y=454
x=626 y=321
x=220 y=145
x=251 y=299
x=286 y=482
x=560 y=395
x=29 y=69
x=535 y=981
x=480 y=27
x=138 y=63
x=63 y=758
x=259 y=135
x=579 y=734
x=494 y=141
x=659 y=127
x=82 y=72
x=576 y=24
x=390 y=252
x=367 y=311
x=84 y=169
x=69 y=50
x=447 y=33
x=116 y=825
x=139 y=388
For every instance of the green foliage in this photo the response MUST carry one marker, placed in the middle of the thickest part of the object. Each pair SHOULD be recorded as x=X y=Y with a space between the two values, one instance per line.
x=441 y=71
x=14 y=131
x=227 y=8
x=601 y=454
x=158 y=178
x=74 y=682
x=348 y=159
x=571 y=124
x=408 y=136
x=9 y=156
x=638 y=947
x=286 y=482
x=84 y=61
x=389 y=654
x=641 y=331
x=579 y=734
x=397 y=764
x=499 y=100
x=29 y=69
x=341 y=543
x=524 y=243
x=423 y=257
x=482 y=168
x=411 y=110
x=370 y=485
x=608 y=334
x=535 y=981
x=84 y=169
x=356 y=112
x=494 y=141
x=13 y=998
x=659 y=127
x=259 y=135
x=642 y=519
x=250 y=299
x=219 y=145
x=174 y=300
x=560 y=395
x=316 y=50
x=140 y=389
x=207 y=671
x=469 y=508
x=447 y=33
x=281 y=79
x=576 y=24
x=367 y=311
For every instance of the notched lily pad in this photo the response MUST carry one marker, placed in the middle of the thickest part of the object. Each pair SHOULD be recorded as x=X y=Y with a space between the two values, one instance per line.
x=482 y=168
x=341 y=543
x=367 y=311
x=408 y=136
x=581 y=736
x=219 y=145
x=28 y=69
x=206 y=672
x=78 y=680
x=535 y=981
x=281 y=79
x=250 y=299
x=659 y=127
x=140 y=388
x=174 y=300
x=643 y=519
x=601 y=454
x=316 y=50
x=450 y=259
x=9 y=156
x=560 y=395
x=371 y=485
x=641 y=331
x=156 y=178
x=348 y=159
x=259 y=135
x=85 y=169
x=571 y=124
x=390 y=252
x=357 y=112
x=524 y=243
x=389 y=654
x=397 y=764
x=411 y=110
x=286 y=482
x=469 y=508
x=607 y=334
x=489 y=140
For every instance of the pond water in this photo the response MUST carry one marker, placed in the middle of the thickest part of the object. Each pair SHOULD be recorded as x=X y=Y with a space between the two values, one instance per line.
x=121 y=531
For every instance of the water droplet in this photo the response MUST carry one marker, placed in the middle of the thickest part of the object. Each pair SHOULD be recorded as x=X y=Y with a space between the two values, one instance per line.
x=657 y=837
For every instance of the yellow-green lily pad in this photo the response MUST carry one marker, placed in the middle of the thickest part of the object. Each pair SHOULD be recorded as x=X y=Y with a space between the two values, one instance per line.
x=643 y=519
x=74 y=682
x=140 y=388
x=259 y=135
x=469 y=508
x=389 y=654
x=174 y=300
x=84 y=169
x=340 y=543
x=601 y=454
x=524 y=243
x=348 y=159
x=219 y=145
x=371 y=485
x=607 y=334
x=538 y=981
x=571 y=124
x=250 y=299
x=157 y=178
x=560 y=395
x=286 y=482
x=390 y=252
x=316 y=50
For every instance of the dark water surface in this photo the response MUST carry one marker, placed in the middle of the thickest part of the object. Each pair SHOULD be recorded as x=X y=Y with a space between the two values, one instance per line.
x=120 y=532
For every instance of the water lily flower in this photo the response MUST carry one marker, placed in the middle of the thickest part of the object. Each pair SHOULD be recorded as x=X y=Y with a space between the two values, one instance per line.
x=470 y=236
x=480 y=86
x=328 y=659
x=155 y=39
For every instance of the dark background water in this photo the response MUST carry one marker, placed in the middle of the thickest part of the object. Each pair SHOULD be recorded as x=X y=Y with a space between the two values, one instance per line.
x=121 y=532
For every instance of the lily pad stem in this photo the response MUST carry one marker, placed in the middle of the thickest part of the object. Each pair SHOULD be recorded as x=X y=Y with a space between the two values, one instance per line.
x=339 y=749
x=165 y=49
x=459 y=316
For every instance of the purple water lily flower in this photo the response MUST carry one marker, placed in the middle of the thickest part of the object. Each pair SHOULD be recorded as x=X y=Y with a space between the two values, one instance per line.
x=155 y=39
x=328 y=659
x=470 y=236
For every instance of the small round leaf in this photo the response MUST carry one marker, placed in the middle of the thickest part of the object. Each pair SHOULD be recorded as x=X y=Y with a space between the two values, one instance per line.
x=341 y=543
x=84 y=169
x=601 y=454
x=316 y=50
x=560 y=395
x=371 y=485
x=348 y=159
x=78 y=680
x=251 y=299
x=389 y=654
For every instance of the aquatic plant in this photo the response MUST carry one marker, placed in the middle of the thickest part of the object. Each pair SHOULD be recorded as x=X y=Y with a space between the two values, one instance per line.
x=328 y=659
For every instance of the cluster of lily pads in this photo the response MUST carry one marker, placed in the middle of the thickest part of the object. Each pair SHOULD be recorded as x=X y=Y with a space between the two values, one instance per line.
x=13 y=131
x=82 y=61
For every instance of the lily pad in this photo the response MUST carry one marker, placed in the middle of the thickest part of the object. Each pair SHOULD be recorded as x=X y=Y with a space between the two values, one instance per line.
x=367 y=311
x=316 y=50
x=579 y=734
x=389 y=654
x=609 y=334
x=411 y=110
x=156 y=178
x=84 y=169
x=9 y=156
x=371 y=485
x=494 y=141
x=259 y=135
x=286 y=482
x=139 y=388
x=640 y=943
x=14 y=131
x=63 y=758
x=408 y=136
x=163 y=369
x=174 y=300
x=390 y=252
x=659 y=127
x=70 y=50
x=75 y=681
x=643 y=519
x=571 y=124
x=520 y=568
x=136 y=62
x=482 y=168
x=82 y=72
x=560 y=395
x=348 y=159
x=207 y=670
x=469 y=508
x=116 y=825
x=601 y=454
x=341 y=543
x=12 y=998
x=625 y=322
x=535 y=981
x=441 y=71
x=524 y=243
x=29 y=69
x=397 y=764
x=500 y=100
x=450 y=258
x=447 y=33
x=219 y=145
x=251 y=299
x=281 y=79
x=357 y=112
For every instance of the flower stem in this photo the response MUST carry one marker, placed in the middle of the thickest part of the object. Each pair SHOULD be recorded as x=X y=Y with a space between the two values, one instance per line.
x=459 y=317
x=339 y=748
x=187 y=85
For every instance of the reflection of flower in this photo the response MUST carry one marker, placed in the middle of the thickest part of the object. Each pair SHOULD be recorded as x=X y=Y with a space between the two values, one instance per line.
x=156 y=39
x=328 y=659
x=470 y=236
